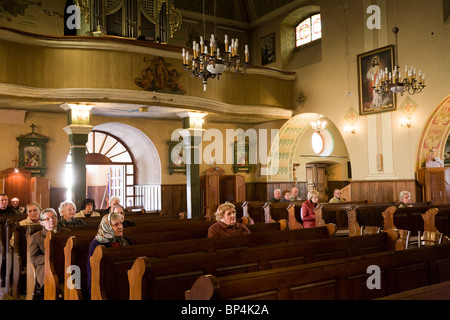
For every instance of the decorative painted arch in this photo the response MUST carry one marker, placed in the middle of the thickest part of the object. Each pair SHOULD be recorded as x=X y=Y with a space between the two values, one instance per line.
x=287 y=138
x=435 y=133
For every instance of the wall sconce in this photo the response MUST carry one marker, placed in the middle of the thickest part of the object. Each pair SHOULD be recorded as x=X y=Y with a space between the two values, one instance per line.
x=77 y=113
x=405 y=122
x=192 y=120
x=350 y=129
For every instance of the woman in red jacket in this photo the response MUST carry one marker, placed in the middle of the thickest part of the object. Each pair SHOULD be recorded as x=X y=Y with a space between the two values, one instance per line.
x=308 y=214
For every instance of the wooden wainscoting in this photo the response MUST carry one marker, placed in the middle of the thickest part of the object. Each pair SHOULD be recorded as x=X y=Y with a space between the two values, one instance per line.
x=173 y=199
x=382 y=191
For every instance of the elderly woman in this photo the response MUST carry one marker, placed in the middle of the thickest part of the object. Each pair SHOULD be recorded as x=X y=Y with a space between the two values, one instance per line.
x=67 y=211
x=307 y=211
x=405 y=199
x=226 y=224
x=87 y=209
x=109 y=234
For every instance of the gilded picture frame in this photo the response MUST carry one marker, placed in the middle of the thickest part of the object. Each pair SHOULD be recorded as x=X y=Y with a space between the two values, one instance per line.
x=369 y=64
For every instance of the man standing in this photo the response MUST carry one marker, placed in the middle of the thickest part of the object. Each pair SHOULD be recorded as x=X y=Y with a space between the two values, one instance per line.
x=6 y=210
x=336 y=197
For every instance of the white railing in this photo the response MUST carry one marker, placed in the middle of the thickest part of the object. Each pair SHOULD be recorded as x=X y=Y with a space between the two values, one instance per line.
x=148 y=196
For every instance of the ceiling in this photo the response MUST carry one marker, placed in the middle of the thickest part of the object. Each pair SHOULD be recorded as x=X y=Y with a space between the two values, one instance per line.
x=246 y=11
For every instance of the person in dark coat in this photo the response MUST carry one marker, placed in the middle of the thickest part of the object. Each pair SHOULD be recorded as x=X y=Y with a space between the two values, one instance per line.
x=226 y=224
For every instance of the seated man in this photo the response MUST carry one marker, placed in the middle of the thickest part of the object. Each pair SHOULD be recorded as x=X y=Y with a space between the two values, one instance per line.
x=119 y=209
x=405 y=199
x=276 y=196
x=33 y=212
x=48 y=220
x=15 y=205
x=294 y=194
x=6 y=210
x=113 y=201
x=336 y=197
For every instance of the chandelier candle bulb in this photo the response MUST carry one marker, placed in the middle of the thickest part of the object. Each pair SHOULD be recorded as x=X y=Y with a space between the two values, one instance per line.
x=183 y=54
x=246 y=53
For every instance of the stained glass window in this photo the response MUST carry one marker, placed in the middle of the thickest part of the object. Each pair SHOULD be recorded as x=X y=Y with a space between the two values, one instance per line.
x=308 y=30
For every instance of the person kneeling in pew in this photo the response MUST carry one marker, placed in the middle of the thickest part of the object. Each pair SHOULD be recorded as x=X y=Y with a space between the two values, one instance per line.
x=109 y=234
x=48 y=219
x=226 y=224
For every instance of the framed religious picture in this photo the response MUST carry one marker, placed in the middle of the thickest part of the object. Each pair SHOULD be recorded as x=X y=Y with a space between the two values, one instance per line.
x=241 y=156
x=369 y=65
x=32 y=152
x=177 y=162
x=267 y=45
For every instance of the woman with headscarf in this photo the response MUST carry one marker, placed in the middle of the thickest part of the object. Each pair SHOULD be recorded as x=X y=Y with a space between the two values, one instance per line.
x=110 y=234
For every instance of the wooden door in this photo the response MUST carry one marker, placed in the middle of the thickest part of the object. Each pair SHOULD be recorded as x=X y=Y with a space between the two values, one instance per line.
x=316 y=179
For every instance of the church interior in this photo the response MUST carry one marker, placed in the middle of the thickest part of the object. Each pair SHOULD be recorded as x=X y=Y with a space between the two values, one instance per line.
x=178 y=106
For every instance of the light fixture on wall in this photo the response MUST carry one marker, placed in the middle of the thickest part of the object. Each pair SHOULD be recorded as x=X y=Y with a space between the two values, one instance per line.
x=350 y=129
x=209 y=63
x=393 y=80
x=78 y=114
x=318 y=125
x=405 y=122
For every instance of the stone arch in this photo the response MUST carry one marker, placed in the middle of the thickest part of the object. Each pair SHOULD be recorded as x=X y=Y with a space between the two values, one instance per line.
x=435 y=133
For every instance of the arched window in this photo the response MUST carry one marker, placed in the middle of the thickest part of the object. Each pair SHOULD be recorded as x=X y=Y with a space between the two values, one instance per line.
x=111 y=171
x=308 y=30
x=322 y=143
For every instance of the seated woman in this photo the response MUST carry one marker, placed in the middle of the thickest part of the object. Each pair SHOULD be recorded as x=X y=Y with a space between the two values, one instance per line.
x=67 y=211
x=87 y=209
x=308 y=214
x=109 y=234
x=226 y=224
x=405 y=199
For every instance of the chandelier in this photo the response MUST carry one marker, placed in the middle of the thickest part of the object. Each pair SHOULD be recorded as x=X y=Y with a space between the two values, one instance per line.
x=392 y=80
x=208 y=63
x=318 y=125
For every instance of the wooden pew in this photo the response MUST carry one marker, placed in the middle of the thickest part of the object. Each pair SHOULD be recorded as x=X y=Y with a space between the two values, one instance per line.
x=76 y=245
x=55 y=243
x=20 y=256
x=332 y=280
x=169 y=278
x=254 y=210
x=103 y=257
x=3 y=244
